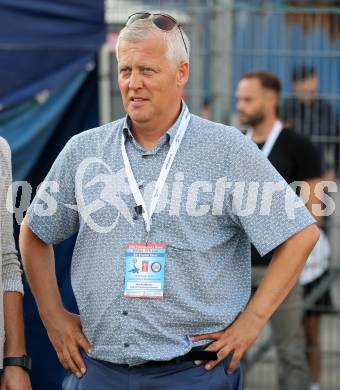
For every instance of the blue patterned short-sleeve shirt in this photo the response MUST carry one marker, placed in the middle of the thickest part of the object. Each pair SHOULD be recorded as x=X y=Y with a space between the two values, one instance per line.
x=215 y=202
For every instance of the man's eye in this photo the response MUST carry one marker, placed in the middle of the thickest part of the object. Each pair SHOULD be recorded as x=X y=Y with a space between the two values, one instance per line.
x=148 y=71
x=124 y=70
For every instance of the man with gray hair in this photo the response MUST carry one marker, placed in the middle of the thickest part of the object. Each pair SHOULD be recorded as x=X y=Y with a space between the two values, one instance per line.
x=164 y=288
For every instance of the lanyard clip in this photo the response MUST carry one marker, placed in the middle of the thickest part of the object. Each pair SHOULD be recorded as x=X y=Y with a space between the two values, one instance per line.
x=138 y=211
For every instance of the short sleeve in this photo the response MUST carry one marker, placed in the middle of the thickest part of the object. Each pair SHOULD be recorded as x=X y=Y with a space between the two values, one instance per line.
x=53 y=215
x=268 y=217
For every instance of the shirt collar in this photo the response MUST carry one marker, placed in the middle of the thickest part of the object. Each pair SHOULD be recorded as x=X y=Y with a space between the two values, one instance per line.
x=171 y=132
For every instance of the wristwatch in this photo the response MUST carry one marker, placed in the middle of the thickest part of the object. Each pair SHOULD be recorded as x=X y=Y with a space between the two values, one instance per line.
x=23 y=361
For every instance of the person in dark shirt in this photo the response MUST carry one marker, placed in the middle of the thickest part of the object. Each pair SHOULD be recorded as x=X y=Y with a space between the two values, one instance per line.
x=314 y=117
x=296 y=159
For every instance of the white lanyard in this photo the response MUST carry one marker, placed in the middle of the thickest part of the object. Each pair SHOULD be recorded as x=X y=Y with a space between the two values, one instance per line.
x=162 y=176
x=270 y=141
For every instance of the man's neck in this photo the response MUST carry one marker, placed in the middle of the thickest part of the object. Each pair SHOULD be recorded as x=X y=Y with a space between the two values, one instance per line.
x=147 y=135
x=306 y=98
x=261 y=131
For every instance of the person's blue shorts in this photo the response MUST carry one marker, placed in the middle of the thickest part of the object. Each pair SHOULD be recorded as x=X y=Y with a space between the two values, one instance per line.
x=179 y=376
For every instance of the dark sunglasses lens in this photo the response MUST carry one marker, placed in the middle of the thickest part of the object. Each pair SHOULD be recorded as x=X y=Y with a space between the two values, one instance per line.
x=164 y=22
x=135 y=17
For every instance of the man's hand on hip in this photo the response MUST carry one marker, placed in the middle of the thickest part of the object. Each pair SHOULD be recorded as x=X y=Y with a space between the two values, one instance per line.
x=66 y=334
x=236 y=339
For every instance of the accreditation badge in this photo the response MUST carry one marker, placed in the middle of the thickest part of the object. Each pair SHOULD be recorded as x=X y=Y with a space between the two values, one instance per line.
x=144 y=270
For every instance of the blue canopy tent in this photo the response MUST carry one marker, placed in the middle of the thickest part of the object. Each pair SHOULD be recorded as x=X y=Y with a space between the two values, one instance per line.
x=48 y=93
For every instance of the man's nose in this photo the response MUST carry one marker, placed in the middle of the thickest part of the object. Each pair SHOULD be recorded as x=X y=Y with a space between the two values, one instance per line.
x=135 y=81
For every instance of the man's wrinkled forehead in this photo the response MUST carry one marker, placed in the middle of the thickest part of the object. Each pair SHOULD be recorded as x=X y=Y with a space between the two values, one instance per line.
x=151 y=44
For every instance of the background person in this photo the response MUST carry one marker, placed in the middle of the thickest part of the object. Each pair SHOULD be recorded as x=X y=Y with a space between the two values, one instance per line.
x=206 y=283
x=307 y=113
x=313 y=275
x=12 y=345
x=296 y=159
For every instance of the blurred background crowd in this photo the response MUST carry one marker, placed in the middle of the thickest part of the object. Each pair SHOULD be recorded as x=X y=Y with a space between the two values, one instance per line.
x=58 y=78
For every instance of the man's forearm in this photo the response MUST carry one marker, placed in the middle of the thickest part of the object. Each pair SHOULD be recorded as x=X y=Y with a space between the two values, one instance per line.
x=14 y=324
x=282 y=274
x=64 y=328
x=39 y=266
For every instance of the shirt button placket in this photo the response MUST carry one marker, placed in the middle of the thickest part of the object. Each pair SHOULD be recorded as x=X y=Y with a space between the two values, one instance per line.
x=126 y=332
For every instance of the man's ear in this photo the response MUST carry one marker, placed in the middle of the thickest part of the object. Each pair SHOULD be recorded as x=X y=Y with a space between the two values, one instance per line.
x=182 y=74
x=272 y=98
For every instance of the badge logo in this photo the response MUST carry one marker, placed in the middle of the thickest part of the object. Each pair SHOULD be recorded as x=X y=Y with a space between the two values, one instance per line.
x=134 y=269
x=156 y=267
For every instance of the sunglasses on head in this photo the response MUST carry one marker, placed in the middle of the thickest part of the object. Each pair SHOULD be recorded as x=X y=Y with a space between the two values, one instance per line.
x=163 y=21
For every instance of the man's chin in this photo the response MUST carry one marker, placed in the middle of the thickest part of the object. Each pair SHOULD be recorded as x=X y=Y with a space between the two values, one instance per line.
x=138 y=117
x=248 y=122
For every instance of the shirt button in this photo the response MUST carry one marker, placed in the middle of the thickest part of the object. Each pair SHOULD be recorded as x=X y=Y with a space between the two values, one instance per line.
x=125 y=313
x=126 y=345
